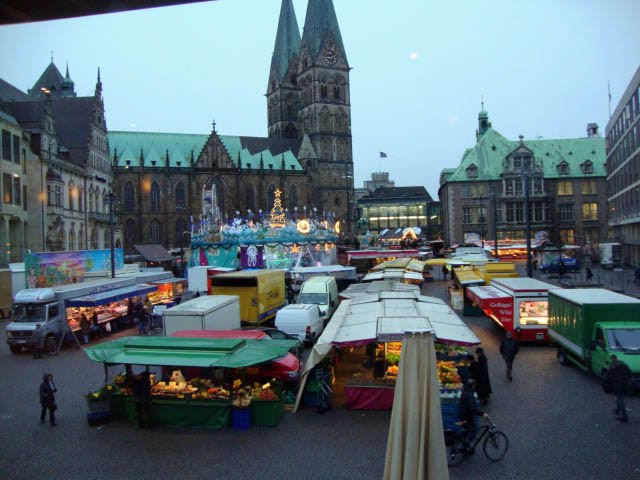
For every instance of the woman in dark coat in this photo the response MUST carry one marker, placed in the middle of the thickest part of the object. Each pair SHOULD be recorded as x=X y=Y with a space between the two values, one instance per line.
x=48 y=399
x=483 y=383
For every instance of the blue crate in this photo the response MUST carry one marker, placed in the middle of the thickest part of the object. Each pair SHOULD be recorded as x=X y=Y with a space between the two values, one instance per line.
x=241 y=419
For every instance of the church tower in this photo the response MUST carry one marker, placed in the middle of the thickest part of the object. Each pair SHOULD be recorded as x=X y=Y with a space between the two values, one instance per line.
x=325 y=108
x=283 y=101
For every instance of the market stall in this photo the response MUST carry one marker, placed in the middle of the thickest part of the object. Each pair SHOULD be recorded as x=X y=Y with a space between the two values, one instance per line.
x=110 y=306
x=206 y=400
x=463 y=278
x=373 y=325
x=169 y=291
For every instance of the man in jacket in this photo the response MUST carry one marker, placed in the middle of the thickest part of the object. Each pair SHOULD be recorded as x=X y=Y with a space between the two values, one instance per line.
x=48 y=399
x=142 y=398
x=619 y=374
x=467 y=410
x=509 y=349
x=483 y=383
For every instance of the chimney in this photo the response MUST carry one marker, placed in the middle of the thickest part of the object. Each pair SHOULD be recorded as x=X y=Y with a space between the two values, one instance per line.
x=592 y=130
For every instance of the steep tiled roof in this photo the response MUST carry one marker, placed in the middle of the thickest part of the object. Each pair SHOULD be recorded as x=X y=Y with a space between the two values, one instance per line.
x=321 y=20
x=28 y=114
x=492 y=148
x=181 y=145
x=287 y=44
x=50 y=79
x=73 y=125
x=9 y=93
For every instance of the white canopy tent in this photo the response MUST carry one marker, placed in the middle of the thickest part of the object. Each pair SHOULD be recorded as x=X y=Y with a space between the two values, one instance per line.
x=367 y=317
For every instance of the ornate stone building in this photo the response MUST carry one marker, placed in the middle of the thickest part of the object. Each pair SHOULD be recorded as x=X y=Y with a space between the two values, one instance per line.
x=566 y=180
x=162 y=178
x=67 y=165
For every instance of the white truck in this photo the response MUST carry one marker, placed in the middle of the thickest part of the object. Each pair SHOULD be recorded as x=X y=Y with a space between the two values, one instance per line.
x=47 y=308
x=610 y=255
x=207 y=312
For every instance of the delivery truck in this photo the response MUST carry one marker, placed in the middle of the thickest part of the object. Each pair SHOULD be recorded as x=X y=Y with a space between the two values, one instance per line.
x=207 y=312
x=261 y=292
x=591 y=324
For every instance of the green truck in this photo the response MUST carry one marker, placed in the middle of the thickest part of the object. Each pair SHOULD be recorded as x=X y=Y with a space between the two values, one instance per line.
x=591 y=324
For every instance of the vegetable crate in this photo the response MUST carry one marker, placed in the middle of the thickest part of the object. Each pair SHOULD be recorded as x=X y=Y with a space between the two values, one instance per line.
x=266 y=413
x=240 y=418
x=102 y=405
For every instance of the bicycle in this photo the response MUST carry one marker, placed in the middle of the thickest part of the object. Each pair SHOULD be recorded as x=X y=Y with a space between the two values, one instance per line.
x=495 y=444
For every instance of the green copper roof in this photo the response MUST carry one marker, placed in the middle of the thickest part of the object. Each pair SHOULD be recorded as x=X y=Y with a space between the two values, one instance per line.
x=287 y=44
x=492 y=148
x=319 y=22
x=180 y=146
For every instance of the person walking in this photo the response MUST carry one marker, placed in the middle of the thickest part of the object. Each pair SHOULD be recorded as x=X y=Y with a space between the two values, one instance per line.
x=619 y=375
x=85 y=328
x=483 y=383
x=38 y=342
x=48 y=399
x=139 y=315
x=509 y=349
x=141 y=390
x=589 y=273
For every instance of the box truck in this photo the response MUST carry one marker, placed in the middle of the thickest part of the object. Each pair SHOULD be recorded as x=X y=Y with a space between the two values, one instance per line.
x=207 y=312
x=610 y=255
x=591 y=324
x=261 y=292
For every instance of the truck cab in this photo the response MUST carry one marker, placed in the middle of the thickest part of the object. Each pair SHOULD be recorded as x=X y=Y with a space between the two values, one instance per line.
x=31 y=308
x=616 y=338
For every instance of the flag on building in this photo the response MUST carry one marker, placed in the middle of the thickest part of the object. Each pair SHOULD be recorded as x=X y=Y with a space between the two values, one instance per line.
x=383 y=155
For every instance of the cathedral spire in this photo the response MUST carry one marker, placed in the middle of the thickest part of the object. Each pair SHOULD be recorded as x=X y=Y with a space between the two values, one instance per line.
x=320 y=23
x=287 y=45
x=98 y=85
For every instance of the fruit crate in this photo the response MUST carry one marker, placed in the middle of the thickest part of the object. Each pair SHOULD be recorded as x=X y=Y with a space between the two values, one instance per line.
x=102 y=405
x=266 y=413
x=240 y=418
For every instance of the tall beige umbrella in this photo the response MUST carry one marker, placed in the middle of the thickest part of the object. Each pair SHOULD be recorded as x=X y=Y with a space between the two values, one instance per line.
x=415 y=447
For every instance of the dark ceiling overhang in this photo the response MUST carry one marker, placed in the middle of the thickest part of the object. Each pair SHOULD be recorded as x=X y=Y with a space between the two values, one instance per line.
x=23 y=11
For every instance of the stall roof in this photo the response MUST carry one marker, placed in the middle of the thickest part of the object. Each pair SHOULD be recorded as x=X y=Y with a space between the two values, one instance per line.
x=524 y=284
x=154 y=253
x=169 y=280
x=189 y=352
x=253 y=334
x=484 y=296
x=109 y=296
x=377 y=286
x=468 y=277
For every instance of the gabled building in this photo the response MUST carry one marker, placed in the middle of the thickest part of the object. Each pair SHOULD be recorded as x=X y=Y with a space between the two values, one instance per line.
x=70 y=174
x=566 y=182
x=163 y=178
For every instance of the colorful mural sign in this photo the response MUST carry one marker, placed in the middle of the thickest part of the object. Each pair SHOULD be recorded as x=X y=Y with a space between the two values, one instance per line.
x=251 y=256
x=50 y=269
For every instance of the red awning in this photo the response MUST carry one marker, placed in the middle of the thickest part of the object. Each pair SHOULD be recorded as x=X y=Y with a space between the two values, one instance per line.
x=484 y=296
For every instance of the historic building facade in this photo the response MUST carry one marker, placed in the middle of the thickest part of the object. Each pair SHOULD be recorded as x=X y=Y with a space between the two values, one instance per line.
x=164 y=179
x=487 y=191
x=623 y=172
x=67 y=164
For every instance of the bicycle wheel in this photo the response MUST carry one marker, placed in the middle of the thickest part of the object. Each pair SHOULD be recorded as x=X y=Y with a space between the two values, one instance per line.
x=495 y=446
x=455 y=453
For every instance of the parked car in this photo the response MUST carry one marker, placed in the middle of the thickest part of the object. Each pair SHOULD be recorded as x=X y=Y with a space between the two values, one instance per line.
x=301 y=320
x=570 y=265
x=280 y=335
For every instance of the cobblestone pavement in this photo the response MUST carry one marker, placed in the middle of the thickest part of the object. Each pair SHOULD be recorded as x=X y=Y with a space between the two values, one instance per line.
x=559 y=422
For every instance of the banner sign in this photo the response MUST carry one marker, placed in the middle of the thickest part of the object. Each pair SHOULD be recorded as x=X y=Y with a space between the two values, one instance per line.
x=251 y=256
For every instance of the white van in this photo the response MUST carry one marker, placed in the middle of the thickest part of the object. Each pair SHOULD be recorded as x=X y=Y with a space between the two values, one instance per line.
x=322 y=291
x=300 y=320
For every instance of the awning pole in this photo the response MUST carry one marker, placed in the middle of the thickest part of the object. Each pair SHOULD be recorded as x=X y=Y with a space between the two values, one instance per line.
x=106 y=374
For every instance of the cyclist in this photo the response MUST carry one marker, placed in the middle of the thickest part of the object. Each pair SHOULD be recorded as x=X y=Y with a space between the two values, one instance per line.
x=467 y=411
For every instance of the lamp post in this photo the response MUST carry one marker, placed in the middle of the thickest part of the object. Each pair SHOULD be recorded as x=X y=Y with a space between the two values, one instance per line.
x=495 y=224
x=112 y=236
x=527 y=216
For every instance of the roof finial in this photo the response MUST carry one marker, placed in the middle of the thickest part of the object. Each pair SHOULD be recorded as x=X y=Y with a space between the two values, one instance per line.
x=98 y=74
x=51 y=56
x=482 y=101
x=213 y=125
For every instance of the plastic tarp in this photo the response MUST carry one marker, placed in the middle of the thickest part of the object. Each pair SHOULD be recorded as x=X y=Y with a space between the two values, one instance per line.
x=110 y=296
x=252 y=334
x=189 y=352
x=415 y=445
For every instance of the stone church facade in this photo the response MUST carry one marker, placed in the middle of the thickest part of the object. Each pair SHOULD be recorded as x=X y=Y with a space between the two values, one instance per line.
x=161 y=178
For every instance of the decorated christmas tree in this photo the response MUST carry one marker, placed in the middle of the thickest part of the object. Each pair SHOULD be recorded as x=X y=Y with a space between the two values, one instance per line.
x=277 y=219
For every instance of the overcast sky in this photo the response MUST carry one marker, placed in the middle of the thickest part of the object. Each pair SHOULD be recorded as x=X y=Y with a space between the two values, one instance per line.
x=419 y=70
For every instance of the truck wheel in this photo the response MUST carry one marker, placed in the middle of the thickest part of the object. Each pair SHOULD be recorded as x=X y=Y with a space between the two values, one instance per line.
x=15 y=348
x=563 y=356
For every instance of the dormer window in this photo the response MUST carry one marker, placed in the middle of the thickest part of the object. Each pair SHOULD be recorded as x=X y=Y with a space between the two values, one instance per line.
x=587 y=167
x=517 y=163
x=563 y=168
x=472 y=171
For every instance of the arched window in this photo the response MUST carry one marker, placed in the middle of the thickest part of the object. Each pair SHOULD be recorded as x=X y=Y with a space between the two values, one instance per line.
x=181 y=229
x=81 y=245
x=72 y=193
x=325 y=120
x=155 y=231
x=271 y=196
x=107 y=238
x=105 y=201
x=337 y=202
x=154 y=199
x=129 y=196
x=72 y=238
x=94 y=239
x=293 y=197
x=129 y=231
x=250 y=197
x=181 y=198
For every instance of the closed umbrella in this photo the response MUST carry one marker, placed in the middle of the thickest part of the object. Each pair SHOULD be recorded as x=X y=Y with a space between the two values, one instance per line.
x=415 y=447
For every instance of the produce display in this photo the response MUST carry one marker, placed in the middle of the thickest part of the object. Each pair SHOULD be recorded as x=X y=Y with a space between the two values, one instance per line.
x=244 y=396
x=196 y=388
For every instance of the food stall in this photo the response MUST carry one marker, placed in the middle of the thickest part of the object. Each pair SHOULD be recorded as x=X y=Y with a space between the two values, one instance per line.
x=369 y=321
x=202 y=401
x=169 y=291
x=462 y=278
x=111 y=306
x=519 y=305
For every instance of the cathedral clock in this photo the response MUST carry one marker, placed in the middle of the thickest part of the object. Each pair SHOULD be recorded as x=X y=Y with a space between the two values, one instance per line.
x=330 y=57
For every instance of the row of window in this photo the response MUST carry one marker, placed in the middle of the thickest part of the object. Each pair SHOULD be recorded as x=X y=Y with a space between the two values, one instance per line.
x=627 y=175
x=514 y=187
x=154 y=232
x=630 y=112
x=589 y=212
x=55 y=198
x=11 y=151
x=13 y=192
x=522 y=164
x=513 y=212
x=393 y=211
x=626 y=205
x=624 y=149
